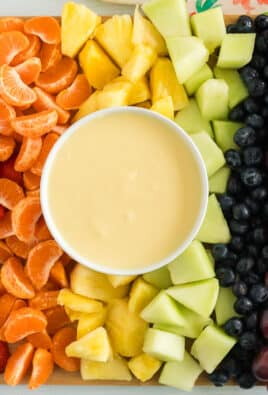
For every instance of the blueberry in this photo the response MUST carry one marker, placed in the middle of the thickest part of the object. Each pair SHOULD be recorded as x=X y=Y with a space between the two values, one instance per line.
x=233 y=28
x=258 y=293
x=264 y=252
x=233 y=158
x=245 y=24
x=226 y=276
x=240 y=288
x=255 y=222
x=264 y=112
x=251 y=177
x=248 y=74
x=252 y=278
x=258 y=62
x=241 y=211
x=259 y=193
x=256 y=88
x=244 y=265
x=237 y=243
x=234 y=186
x=260 y=235
x=245 y=136
x=230 y=366
x=219 y=251
x=265 y=210
x=251 y=321
x=261 y=44
x=246 y=380
x=252 y=250
x=255 y=121
x=250 y=105
x=261 y=266
x=234 y=326
x=238 y=227
x=243 y=305
x=252 y=204
x=261 y=135
x=231 y=258
x=248 y=341
x=252 y=156
x=226 y=202
x=219 y=377
x=237 y=114
x=261 y=22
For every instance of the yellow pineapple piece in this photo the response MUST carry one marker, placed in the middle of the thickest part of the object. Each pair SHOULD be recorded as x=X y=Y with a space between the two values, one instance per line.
x=78 y=24
x=141 y=60
x=140 y=92
x=97 y=66
x=114 y=36
x=89 y=106
x=78 y=303
x=145 y=33
x=95 y=285
x=163 y=83
x=95 y=346
x=89 y=322
x=114 y=94
x=73 y=315
x=146 y=104
x=117 y=281
x=141 y=294
x=115 y=369
x=126 y=329
x=164 y=106
x=144 y=366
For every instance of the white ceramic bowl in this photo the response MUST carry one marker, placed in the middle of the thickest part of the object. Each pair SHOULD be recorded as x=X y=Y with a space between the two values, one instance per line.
x=68 y=248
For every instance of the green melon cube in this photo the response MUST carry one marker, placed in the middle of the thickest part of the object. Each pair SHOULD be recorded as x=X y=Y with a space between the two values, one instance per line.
x=210 y=27
x=237 y=89
x=218 y=182
x=192 y=265
x=224 y=133
x=191 y=120
x=160 y=278
x=188 y=55
x=202 y=75
x=212 y=98
x=224 y=309
x=164 y=346
x=236 y=50
x=211 y=347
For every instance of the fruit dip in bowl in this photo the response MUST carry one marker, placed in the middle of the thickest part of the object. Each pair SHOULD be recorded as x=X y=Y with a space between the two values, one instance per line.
x=124 y=191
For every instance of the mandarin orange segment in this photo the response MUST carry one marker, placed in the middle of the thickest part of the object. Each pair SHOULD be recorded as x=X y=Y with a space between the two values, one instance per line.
x=45 y=27
x=58 y=77
x=28 y=154
x=10 y=193
x=41 y=230
x=43 y=366
x=60 y=129
x=56 y=319
x=9 y=24
x=7 y=113
x=35 y=193
x=7 y=146
x=7 y=170
x=30 y=52
x=48 y=143
x=44 y=300
x=31 y=181
x=40 y=260
x=23 y=322
x=18 y=304
x=6 y=228
x=40 y=340
x=13 y=90
x=58 y=275
x=24 y=217
x=5 y=252
x=2 y=288
x=6 y=304
x=35 y=125
x=18 y=364
x=11 y=44
x=45 y=101
x=50 y=55
x=29 y=70
x=15 y=280
x=71 y=98
x=18 y=247
x=60 y=341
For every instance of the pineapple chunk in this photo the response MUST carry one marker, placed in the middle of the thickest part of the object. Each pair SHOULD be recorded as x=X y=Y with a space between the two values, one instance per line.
x=95 y=346
x=78 y=302
x=163 y=83
x=114 y=94
x=116 y=369
x=145 y=33
x=97 y=66
x=141 y=60
x=95 y=285
x=145 y=104
x=144 y=366
x=141 y=295
x=126 y=329
x=114 y=36
x=89 y=106
x=89 y=322
x=78 y=24
x=117 y=281
x=74 y=315
x=140 y=92
x=164 y=106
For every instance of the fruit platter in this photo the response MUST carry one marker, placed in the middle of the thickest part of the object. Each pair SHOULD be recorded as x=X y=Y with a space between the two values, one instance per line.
x=202 y=318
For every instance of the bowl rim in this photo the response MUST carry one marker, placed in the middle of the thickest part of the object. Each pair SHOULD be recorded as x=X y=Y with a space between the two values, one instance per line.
x=102 y=267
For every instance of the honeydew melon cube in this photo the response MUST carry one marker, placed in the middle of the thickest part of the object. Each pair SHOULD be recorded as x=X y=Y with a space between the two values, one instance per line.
x=164 y=346
x=163 y=310
x=218 y=182
x=160 y=278
x=212 y=98
x=224 y=309
x=188 y=55
x=237 y=89
x=210 y=27
x=191 y=120
x=214 y=228
x=192 y=265
x=202 y=75
x=199 y=296
x=211 y=347
x=236 y=50
x=181 y=375
x=212 y=155
x=224 y=133
x=170 y=17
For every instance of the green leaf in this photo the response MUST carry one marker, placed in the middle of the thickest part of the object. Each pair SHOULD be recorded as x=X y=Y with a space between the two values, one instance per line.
x=203 y=5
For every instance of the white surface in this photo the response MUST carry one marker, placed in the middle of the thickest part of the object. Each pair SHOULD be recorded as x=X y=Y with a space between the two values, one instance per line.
x=53 y=7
